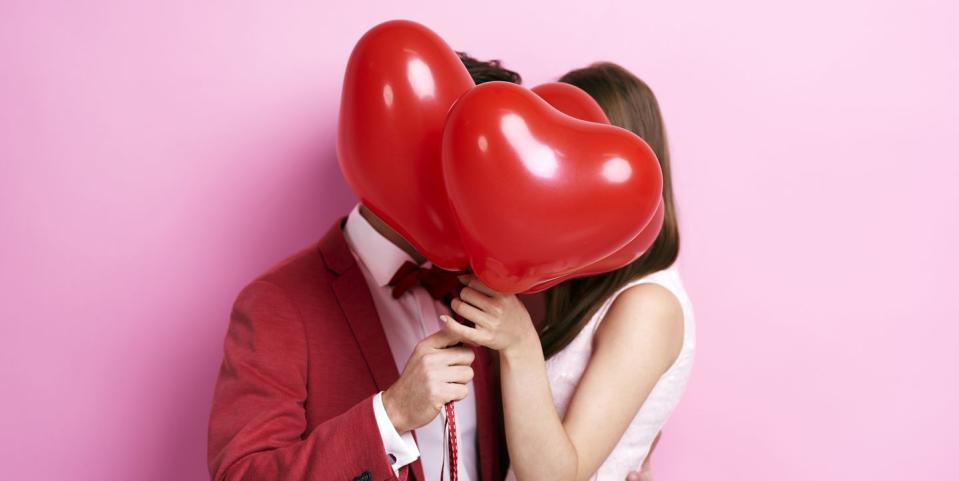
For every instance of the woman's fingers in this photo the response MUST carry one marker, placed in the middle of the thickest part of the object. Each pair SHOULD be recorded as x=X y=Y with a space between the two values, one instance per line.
x=475 y=283
x=471 y=312
x=479 y=286
x=476 y=298
x=468 y=334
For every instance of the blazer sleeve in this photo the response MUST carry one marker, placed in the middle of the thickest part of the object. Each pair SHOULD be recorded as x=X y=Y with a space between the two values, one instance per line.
x=258 y=426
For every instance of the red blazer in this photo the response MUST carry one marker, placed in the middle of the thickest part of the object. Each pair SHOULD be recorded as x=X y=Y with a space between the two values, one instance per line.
x=304 y=355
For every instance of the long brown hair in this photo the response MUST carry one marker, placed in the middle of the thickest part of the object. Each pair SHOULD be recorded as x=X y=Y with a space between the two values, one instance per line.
x=629 y=103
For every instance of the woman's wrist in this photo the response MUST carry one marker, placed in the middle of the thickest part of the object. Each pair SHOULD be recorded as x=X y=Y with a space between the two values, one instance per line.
x=528 y=348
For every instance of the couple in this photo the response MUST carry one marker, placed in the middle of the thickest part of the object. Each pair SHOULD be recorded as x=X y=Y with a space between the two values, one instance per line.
x=338 y=362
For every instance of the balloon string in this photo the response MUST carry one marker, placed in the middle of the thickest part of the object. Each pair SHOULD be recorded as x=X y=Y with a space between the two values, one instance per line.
x=451 y=432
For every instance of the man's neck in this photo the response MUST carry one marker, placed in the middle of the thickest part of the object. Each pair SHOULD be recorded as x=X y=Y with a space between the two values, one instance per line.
x=391 y=235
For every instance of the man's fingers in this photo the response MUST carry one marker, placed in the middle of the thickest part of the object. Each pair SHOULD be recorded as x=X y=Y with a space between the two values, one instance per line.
x=459 y=374
x=653 y=447
x=457 y=356
x=456 y=392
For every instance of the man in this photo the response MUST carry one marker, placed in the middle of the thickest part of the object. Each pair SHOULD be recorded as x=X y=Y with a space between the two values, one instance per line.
x=334 y=368
x=310 y=387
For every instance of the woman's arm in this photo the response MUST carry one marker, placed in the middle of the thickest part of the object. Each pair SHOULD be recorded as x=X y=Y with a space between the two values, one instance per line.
x=637 y=341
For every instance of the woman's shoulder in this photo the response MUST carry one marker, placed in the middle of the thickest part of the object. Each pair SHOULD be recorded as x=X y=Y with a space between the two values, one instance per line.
x=658 y=295
x=669 y=282
x=647 y=303
x=644 y=313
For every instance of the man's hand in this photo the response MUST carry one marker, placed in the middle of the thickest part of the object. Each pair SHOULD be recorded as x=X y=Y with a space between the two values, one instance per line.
x=644 y=473
x=435 y=374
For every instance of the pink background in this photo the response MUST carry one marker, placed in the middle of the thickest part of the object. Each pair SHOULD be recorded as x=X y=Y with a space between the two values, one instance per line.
x=154 y=158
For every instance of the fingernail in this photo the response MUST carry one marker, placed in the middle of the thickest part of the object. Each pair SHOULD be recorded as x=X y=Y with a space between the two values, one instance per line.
x=444 y=318
x=464 y=279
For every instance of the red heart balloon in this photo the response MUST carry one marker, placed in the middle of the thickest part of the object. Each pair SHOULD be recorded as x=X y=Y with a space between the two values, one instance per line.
x=625 y=255
x=575 y=102
x=400 y=82
x=571 y=100
x=538 y=194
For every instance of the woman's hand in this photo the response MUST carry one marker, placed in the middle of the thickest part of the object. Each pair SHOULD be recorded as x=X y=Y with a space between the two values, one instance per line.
x=502 y=321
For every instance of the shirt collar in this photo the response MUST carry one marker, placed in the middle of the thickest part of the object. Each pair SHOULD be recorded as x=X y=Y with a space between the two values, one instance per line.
x=379 y=256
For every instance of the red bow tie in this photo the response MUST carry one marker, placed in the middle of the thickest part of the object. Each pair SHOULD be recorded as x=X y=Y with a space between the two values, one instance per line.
x=443 y=285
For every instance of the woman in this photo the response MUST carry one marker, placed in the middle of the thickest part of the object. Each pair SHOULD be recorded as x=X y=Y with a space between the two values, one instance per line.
x=618 y=347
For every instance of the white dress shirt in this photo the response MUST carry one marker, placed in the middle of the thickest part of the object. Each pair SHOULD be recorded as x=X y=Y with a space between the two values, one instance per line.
x=407 y=320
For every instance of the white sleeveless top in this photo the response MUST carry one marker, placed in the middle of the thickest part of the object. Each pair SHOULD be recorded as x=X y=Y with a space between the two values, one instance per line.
x=566 y=368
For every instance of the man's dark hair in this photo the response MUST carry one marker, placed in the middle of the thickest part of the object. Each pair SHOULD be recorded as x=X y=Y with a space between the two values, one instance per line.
x=488 y=71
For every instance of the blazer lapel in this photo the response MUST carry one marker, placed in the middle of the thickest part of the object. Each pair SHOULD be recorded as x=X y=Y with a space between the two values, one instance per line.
x=354 y=298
